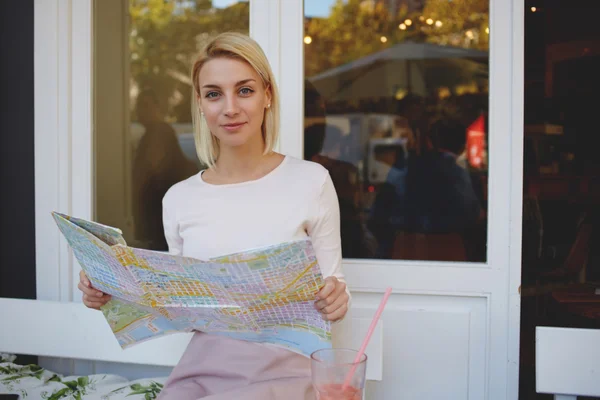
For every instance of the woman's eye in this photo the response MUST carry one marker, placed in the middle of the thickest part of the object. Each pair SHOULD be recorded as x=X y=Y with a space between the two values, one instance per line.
x=246 y=91
x=211 y=95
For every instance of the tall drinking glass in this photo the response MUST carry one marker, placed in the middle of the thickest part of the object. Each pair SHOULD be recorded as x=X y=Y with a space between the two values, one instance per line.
x=330 y=367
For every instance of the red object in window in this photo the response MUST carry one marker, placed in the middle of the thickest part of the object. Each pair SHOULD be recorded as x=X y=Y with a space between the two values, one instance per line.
x=476 y=142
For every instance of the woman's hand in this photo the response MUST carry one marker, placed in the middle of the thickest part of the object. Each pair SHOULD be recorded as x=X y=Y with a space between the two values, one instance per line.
x=92 y=298
x=332 y=299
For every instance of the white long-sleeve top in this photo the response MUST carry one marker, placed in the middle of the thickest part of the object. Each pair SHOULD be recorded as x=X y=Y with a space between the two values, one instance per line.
x=295 y=200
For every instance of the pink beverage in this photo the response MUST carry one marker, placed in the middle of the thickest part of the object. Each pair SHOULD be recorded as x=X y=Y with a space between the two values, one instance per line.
x=332 y=368
x=335 y=391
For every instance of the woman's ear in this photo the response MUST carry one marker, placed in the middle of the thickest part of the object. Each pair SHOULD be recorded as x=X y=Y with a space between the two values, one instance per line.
x=268 y=96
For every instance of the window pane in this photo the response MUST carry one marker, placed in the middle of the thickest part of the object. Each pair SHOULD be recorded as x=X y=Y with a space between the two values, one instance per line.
x=560 y=259
x=144 y=50
x=396 y=104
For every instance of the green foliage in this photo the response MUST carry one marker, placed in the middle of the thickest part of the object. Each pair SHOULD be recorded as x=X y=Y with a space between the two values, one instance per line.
x=355 y=28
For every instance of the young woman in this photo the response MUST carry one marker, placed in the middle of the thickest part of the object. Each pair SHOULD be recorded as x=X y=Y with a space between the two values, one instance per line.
x=248 y=197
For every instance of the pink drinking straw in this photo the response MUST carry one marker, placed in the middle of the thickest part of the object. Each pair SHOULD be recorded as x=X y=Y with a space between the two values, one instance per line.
x=365 y=342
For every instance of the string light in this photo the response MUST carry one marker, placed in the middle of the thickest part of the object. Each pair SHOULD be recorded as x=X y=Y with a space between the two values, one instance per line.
x=307 y=39
x=402 y=27
x=533 y=9
x=438 y=24
x=383 y=39
x=408 y=22
x=429 y=21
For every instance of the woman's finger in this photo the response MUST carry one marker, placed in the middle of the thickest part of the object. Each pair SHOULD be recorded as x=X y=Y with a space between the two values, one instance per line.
x=89 y=291
x=84 y=279
x=95 y=303
x=328 y=288
x=337 y=304
x=340 y=288
x=92 y=304
x=104 y=299
x=337 y=314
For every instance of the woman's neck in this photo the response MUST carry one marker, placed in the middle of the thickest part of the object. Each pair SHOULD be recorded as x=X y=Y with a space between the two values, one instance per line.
x=243 y=163
x=236 y=164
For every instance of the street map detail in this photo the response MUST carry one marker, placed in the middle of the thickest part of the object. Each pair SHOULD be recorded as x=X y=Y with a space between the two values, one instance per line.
x=262 y=295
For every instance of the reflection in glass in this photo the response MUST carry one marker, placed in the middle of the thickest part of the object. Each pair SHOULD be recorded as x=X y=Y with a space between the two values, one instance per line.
x=396 y=98
x=560 y=273
x=144 y=137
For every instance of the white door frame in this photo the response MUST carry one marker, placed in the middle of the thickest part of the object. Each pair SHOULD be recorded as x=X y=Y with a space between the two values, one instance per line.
x=64 y=181
x=63 y=135
x=517 y=89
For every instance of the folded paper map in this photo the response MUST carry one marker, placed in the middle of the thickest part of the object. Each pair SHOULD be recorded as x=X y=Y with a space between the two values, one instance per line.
x=262 y=295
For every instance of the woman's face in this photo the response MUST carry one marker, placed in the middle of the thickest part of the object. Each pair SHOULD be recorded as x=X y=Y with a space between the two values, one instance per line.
x=233 y=99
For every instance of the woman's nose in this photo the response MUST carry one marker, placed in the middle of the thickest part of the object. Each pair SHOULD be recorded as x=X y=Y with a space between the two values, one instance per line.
x=231 y=106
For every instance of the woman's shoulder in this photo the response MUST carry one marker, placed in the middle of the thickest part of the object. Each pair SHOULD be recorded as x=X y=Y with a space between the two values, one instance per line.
x=304 y=169
x=181 y=190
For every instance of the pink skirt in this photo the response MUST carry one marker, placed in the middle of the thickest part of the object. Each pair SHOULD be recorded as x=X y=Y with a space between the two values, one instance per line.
x=219 y=368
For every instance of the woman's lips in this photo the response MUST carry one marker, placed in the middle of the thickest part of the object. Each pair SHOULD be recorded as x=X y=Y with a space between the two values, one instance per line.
x=233 y=127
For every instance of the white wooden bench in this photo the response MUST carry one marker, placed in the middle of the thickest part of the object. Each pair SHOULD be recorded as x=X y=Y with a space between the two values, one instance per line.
x=567 y=362
x=42 y=325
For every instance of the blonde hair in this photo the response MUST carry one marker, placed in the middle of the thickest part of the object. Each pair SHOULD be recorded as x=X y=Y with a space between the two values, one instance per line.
x=238 y=47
